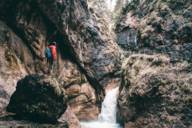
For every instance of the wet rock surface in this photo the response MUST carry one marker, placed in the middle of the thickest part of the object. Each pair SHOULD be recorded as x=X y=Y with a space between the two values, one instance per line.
x=155 y=93
x=38 y=98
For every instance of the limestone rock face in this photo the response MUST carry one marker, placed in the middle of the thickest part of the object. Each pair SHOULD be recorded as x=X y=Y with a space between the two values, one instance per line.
x=155 y=93
x=11 y=67
x=38 y=98
x=83 y=47
x=87 y=55
x=156 y=76
x=158 y=26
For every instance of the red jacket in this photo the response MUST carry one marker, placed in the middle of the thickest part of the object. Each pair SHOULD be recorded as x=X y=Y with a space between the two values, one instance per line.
x=53 y=52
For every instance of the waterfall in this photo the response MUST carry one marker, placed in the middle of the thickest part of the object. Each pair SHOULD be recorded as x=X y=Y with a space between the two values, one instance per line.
x=107 y=117
x=111 y=4
x=108 y=111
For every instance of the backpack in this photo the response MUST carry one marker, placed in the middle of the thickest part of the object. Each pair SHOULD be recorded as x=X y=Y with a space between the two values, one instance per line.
x=48 y=52
x=53 y=52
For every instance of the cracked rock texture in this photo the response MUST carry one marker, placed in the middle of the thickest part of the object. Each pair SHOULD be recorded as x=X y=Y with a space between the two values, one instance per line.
x=161 y=26
x=155 y=93
x=156 y=83
x=87 y=55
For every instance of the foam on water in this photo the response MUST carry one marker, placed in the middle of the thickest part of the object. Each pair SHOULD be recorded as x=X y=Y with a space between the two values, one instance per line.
x=99 y=124
x=107 y=117
x=111 y=4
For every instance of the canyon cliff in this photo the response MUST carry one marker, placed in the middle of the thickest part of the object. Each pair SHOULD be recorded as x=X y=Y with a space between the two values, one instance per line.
x=88 y=58
x=141 y=46
x=156 y=76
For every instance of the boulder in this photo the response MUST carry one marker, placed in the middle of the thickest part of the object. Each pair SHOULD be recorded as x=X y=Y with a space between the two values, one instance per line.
x=27 y=124
x=38 y=98
x=155 y=93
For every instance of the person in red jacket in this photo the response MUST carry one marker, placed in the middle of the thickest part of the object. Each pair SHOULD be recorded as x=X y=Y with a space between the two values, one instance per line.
x=53 y=49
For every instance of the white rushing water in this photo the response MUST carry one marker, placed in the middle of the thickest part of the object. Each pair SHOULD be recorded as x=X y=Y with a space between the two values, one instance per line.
x=111 y=4
x=107 y=117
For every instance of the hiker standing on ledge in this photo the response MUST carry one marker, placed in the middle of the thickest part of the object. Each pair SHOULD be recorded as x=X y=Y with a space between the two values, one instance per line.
x=48 y=56
x=53 y=49
x=51 y=55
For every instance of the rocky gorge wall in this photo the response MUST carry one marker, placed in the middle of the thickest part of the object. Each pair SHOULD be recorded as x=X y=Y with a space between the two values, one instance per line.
x=156 y=76
x=162 y=27
x=87 y=59
x=155 y=93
